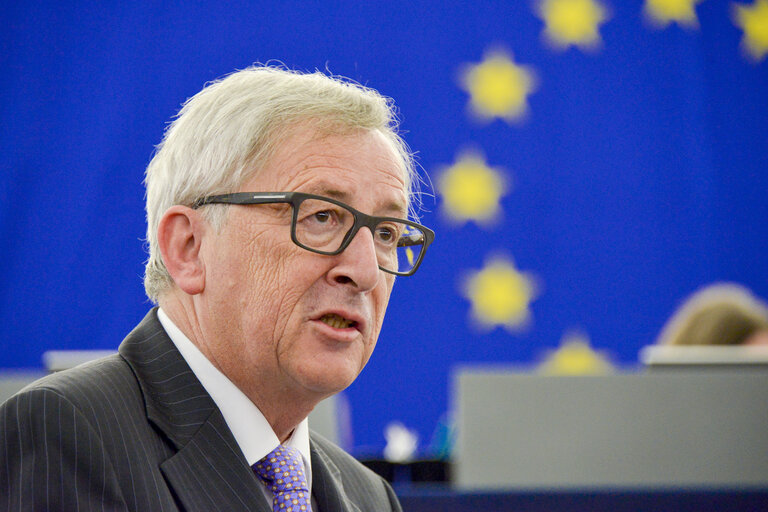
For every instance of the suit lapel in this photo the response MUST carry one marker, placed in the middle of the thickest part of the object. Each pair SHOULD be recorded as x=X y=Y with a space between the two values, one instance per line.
x=211 y=474
x=208 y=471
x=327 y=487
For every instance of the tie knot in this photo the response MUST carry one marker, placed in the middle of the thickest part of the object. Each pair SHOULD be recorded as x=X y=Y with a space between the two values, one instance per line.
x=282 y=470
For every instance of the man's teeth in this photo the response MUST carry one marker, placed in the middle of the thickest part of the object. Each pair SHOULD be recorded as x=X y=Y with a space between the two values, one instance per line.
x=336 y=321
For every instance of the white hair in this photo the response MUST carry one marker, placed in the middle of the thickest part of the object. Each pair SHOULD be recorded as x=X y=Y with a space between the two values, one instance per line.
x=220 y=134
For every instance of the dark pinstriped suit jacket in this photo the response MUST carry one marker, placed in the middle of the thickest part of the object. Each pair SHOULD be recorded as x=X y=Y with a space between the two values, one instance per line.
x=137 y=431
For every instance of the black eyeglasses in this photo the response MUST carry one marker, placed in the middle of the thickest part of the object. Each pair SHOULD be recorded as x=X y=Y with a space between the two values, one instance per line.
x=326 y=226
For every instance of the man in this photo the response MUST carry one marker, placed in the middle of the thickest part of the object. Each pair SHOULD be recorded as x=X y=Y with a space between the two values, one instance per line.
x=276 y=210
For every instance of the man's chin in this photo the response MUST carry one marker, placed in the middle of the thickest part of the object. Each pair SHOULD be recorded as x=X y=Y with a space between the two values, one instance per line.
x=324 y=380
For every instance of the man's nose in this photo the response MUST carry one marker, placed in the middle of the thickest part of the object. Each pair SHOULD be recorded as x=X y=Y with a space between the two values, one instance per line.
x=358 y=264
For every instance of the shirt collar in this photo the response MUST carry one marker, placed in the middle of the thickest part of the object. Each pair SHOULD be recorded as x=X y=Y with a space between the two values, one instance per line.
x=249 y=427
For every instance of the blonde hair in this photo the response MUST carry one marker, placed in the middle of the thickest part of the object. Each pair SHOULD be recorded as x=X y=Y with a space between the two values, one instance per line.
x=227 y=131
x=719 y=314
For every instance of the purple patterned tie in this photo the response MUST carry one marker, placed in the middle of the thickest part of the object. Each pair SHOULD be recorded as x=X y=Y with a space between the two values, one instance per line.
x=282 y=471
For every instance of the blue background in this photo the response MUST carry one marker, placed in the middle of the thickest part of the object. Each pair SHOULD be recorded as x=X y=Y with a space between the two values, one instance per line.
x=639 y=175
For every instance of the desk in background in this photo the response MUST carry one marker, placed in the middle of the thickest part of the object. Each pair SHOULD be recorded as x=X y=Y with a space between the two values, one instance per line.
x=694 y=429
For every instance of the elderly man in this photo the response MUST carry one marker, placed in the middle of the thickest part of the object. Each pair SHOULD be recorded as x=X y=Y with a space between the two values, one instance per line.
x=277 y=209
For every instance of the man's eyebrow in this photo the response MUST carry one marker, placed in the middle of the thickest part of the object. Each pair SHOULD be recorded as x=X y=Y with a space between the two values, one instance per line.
x=394 y=208
x=334 y=194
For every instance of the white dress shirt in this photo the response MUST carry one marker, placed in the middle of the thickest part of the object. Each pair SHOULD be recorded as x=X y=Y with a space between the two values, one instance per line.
x=251 y=430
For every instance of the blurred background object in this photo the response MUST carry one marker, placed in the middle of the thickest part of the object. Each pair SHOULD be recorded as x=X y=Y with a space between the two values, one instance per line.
x=631 y=432
x=718 y=314
x=402 y=443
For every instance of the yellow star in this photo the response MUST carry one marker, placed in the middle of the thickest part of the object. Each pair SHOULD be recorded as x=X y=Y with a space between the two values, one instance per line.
x=572 y=22
x=663 y=12
x=575 y=357
x=754 y=22
x=470 y=189
x=498 y=87
x=500 y=295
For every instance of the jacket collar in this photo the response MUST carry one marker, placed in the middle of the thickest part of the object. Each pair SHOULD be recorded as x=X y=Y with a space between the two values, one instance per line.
x=208 y=470
x=327 y=487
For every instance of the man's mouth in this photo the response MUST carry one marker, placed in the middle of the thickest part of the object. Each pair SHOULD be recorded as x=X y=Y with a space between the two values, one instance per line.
x=337 y=321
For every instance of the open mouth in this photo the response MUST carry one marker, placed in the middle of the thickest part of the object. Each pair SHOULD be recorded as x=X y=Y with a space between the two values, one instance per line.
x=337 y=321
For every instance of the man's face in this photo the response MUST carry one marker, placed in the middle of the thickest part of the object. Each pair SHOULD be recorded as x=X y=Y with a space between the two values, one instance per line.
x=269 y=306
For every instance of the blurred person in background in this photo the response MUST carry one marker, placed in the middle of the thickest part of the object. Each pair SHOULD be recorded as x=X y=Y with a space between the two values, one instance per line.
x=718 y=314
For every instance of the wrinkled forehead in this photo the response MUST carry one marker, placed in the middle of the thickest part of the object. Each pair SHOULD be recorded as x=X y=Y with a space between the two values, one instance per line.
x=301 y=149
x=396 y=145
x=403 y=168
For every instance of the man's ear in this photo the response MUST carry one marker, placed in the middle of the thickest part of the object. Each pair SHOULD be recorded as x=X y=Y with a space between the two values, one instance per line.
x=179 y=236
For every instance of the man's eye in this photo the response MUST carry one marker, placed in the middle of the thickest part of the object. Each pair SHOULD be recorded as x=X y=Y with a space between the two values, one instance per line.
x=386 y=235
x=323 y=216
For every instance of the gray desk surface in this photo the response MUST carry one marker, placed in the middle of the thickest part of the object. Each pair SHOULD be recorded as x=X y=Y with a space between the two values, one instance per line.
x=692 y=429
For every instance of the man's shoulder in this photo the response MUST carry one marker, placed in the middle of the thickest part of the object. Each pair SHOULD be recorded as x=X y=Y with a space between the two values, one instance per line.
x=87 y=386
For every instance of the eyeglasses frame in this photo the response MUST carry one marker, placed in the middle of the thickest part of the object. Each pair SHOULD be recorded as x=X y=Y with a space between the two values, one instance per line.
x=296 y=198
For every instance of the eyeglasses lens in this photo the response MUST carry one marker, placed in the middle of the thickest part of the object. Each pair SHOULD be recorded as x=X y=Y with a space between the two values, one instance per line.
x=322 y=226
